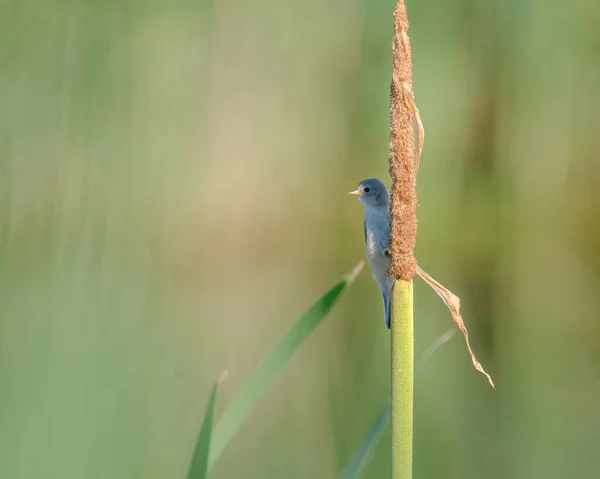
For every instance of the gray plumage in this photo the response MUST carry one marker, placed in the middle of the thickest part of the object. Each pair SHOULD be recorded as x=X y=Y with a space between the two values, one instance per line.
x=376 y=201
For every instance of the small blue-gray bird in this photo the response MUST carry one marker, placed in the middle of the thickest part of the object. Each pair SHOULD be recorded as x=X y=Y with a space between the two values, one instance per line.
x=374 y=197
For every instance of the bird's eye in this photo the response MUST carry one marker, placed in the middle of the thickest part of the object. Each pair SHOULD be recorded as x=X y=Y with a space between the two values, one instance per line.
x=367 y=190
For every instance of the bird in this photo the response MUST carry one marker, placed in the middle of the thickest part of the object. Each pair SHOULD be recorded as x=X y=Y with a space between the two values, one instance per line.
x=373 y=194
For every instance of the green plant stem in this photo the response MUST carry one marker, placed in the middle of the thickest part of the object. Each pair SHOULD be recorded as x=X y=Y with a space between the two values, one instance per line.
x=402 y=379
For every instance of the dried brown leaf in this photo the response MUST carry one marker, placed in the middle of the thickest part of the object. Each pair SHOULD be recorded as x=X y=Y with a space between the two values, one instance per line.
x=453 y=303
x=408 y=98
x=420 y=135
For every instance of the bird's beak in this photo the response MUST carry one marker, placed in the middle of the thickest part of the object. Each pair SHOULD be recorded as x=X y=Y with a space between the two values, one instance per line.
x=355 y=193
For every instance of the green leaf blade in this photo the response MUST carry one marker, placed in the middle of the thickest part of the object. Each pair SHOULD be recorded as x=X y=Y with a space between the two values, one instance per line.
x=199 y=464
x=271 y=365
x=363 y=456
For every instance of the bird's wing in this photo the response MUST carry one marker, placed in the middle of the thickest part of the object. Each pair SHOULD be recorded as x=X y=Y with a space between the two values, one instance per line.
x=383 y=244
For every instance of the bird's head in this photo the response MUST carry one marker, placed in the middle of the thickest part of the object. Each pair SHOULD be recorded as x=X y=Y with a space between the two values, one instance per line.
x=371 y=192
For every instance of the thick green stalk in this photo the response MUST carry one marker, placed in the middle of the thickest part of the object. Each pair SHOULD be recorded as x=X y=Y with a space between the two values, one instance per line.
x=402 y=379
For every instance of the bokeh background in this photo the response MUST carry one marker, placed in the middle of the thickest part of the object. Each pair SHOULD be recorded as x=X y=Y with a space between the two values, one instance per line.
x=173 y=180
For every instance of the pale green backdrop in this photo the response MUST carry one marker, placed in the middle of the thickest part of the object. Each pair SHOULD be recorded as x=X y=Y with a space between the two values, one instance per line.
x=173 y=180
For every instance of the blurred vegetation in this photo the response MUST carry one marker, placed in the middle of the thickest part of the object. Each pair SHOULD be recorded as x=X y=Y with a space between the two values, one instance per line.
x=173 y=181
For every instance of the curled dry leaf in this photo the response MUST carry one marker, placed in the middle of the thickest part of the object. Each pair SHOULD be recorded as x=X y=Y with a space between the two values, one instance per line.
x=420 y=134
x=409 y=99
x=453 y=303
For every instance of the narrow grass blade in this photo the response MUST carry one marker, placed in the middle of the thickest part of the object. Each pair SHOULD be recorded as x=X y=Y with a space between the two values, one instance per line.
x=363 y=456
x=199 y=465
x=272 y=364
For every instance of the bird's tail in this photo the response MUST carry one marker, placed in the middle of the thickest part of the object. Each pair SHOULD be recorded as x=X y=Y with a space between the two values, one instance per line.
x=386 y=293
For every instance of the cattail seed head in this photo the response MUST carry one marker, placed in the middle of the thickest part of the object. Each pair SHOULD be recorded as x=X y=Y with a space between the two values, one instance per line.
x=402 y=161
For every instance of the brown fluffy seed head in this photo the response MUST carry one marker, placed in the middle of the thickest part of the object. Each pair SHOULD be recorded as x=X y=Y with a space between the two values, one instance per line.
x=402 y=154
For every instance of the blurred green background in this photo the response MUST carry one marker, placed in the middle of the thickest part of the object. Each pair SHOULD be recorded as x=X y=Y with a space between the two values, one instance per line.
x=173 y=180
